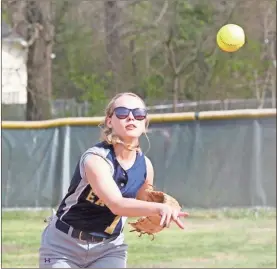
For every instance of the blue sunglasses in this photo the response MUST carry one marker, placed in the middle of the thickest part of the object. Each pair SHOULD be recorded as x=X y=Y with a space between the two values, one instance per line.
x=123 y=112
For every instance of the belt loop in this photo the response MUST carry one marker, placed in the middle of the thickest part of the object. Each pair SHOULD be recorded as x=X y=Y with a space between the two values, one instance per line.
x=80 y=235
x=70 y=231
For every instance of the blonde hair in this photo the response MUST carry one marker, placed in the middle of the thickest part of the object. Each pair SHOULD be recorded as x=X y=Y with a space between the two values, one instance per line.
x=107 y=132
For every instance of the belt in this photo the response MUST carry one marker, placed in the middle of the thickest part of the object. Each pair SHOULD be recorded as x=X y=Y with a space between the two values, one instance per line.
x=84 y=236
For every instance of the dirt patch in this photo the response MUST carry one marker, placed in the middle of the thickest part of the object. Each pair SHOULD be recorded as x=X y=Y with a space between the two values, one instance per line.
x=227 y=256
x=193 y=262
x=10 y=248
x=176 y=264
x=210 y=225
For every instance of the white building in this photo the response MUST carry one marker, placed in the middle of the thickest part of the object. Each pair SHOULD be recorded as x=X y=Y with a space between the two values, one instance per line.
x=14 y=71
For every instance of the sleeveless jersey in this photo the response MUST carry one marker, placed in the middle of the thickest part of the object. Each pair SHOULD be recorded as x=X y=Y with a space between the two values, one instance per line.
x=83 y=210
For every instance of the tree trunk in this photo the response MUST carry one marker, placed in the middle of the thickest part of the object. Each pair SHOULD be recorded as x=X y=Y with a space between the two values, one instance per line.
x=112 y=19
x=32 y=20
x=172 y=56
x=39 y=62
x=175 y=92
x=134 y=59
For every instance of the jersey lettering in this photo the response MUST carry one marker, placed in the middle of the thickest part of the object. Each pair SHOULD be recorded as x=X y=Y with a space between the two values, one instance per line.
x=99 y=202
x=110 y=229
x=91 y=197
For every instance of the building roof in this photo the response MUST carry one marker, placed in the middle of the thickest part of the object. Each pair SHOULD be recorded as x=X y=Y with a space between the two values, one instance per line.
x=9 y=35
x=6 y=30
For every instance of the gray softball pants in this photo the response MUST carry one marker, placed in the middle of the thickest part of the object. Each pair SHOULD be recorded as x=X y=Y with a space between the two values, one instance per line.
x=60 y=250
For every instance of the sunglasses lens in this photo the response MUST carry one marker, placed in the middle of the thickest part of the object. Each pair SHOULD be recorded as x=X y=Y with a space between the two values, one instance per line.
x=121 y=112
x=139 y=114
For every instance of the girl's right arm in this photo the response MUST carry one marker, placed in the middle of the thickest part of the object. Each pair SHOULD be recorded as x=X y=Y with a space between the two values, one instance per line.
x=97 y=172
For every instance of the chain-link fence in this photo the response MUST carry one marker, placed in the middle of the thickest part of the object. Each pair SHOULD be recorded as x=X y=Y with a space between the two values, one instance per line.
x=193 y=161
x=67 y=57
x=70 y=107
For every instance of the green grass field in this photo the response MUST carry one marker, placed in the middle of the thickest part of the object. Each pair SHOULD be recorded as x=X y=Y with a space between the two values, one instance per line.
x=212 y=239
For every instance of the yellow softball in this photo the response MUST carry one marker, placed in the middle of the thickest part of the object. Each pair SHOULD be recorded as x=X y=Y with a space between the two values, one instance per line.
x=230 y=37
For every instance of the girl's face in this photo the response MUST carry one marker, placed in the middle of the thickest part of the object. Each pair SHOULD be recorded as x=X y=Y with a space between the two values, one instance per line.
x=128 y=118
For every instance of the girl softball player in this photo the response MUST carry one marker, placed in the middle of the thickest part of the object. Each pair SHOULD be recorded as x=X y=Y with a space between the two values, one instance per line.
x=107 y=186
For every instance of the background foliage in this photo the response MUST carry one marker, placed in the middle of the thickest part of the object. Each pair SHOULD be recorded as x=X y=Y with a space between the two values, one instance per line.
x=163 y=50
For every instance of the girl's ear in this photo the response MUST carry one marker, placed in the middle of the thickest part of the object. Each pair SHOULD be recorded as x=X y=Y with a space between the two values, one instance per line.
x=146 y=124
x=108 y=122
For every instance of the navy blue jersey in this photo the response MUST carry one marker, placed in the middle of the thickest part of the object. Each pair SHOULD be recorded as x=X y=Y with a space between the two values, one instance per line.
x=82 y=209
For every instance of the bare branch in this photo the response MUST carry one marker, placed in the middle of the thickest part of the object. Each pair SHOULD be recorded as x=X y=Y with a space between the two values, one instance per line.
x=184 y=64
x=142 y=30
x=147 y=28
x=132 y=3
x=172 y=59
x=37 y=28
x=162 y=13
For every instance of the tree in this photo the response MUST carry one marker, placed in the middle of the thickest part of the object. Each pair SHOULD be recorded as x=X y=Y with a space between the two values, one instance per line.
x=165 y=51
x=32 y=20
x=265 y=81
x=41 y=31
x=190 y=51
x=113 y=47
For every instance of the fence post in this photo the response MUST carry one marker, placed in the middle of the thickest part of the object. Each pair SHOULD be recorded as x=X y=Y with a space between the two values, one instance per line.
x=66 y=161
x=257 y=147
